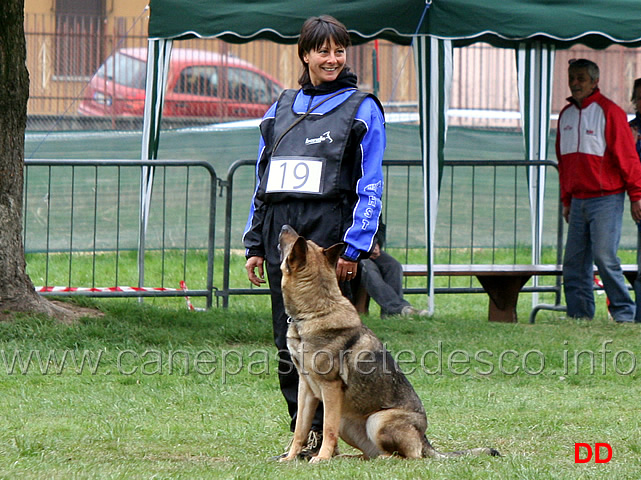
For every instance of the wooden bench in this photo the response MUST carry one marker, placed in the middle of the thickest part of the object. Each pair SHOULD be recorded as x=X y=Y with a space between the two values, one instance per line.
x=502 y=283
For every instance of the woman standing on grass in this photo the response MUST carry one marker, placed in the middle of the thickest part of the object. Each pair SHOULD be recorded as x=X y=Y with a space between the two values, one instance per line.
x=319 y=170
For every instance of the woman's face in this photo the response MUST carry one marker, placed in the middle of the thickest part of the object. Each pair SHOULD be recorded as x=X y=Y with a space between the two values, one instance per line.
x=325 y=63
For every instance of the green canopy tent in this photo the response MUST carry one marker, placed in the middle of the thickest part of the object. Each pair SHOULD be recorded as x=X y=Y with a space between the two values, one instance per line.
x=534 y=28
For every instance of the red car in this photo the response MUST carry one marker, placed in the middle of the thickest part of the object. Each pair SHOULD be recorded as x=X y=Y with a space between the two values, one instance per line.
x=200 y=84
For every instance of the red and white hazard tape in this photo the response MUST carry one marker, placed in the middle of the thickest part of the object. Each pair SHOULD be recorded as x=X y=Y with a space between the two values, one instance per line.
x=103 y=289
x=183 y=288
x=599 y=284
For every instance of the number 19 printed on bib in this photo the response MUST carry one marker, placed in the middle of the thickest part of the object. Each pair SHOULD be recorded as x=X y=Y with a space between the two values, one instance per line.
x=295 y=174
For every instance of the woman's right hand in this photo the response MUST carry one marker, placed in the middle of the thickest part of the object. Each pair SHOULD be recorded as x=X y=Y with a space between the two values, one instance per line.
x=251 y=265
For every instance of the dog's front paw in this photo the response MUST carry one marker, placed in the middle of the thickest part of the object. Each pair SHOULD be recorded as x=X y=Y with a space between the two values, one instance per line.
x=288 y=458
x=319 y=459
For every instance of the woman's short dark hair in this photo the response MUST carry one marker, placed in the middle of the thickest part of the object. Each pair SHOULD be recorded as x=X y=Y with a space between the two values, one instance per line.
x=316 y=31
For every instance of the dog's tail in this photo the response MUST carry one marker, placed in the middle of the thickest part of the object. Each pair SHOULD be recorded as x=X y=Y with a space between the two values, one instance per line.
x=430 y=451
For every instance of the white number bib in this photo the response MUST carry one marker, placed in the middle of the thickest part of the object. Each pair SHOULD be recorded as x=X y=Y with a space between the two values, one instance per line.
x=295 y=174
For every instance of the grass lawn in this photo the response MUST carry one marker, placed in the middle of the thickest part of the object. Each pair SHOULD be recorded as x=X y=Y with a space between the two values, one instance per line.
x=169 y=393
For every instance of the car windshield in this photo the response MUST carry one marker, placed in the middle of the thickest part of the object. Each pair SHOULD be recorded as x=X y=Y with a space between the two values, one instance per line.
x=125 y=70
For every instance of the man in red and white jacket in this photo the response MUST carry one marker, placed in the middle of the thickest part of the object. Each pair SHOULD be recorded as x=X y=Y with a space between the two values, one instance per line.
x=598 y=164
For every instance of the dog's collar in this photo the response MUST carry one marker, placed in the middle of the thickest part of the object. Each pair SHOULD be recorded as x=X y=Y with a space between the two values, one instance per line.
x=293 y=320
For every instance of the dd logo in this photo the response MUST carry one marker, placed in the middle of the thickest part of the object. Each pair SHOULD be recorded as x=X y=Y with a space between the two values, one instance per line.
x=597 y=453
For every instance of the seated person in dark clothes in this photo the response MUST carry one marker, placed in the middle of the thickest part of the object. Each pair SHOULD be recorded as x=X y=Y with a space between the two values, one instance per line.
x=381 y=275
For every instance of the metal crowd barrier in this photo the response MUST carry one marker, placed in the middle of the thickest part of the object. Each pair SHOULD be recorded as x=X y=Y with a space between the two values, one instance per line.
x=484 y=205
x=76 y=210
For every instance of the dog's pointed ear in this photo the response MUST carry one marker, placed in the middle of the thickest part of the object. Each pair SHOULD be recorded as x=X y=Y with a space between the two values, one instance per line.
x=298 y=254
x=333 y=253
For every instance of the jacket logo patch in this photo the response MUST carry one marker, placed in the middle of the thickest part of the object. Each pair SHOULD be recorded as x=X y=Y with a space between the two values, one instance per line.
x=374 y=187
x=590 y=132
x=325 y=137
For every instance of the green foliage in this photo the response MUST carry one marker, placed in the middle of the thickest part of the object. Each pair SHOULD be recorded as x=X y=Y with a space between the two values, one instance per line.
x=170 y=393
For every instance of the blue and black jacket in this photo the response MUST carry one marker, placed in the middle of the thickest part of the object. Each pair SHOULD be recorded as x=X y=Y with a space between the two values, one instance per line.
x=344 y=133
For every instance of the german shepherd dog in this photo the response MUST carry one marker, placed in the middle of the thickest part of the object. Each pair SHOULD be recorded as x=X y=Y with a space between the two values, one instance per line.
x=367 y=399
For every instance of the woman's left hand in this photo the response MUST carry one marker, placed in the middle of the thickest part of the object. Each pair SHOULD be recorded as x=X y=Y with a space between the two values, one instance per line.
x=346 y=270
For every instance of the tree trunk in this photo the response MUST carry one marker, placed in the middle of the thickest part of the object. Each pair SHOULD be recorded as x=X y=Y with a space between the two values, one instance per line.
x=16 y=290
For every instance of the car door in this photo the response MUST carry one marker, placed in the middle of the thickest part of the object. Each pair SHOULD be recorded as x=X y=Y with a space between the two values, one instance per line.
x=195 y=93
x=249 y=93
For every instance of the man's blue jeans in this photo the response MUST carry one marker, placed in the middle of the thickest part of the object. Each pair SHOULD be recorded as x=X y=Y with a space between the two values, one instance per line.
x=594 y=232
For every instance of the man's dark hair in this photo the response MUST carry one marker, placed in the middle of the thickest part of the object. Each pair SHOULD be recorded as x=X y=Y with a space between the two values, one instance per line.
x=637 y=84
